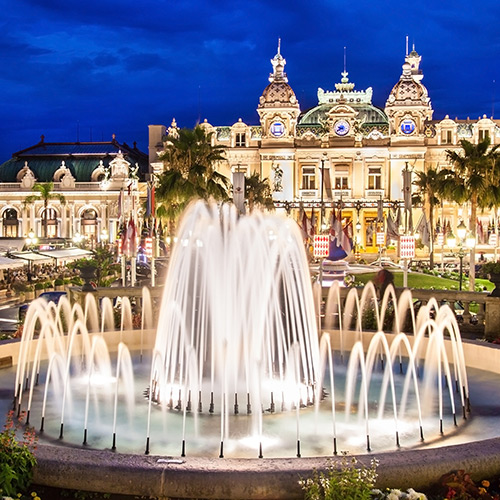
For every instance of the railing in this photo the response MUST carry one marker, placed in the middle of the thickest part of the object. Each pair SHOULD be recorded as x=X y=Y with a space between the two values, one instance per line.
x=79 y=186
x=472 y=318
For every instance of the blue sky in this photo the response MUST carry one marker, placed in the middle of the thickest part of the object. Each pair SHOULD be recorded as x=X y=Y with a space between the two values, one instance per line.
x=92 y=69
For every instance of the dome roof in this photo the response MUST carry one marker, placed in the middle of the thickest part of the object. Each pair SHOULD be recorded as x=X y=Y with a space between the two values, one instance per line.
x=366 y=113
x=409 y=89
x=278 y=93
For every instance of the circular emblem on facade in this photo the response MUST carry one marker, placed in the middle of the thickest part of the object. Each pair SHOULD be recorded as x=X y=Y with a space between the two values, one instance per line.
x=341 y=127
x=408 y=126
x=277 y=129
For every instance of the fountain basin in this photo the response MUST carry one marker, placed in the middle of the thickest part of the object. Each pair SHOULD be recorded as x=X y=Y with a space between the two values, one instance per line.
x=246 y=479
x=268 y=478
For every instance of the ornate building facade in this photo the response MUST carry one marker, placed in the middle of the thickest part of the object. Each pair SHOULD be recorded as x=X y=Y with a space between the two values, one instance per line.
x=345 y=152
x=99 y=181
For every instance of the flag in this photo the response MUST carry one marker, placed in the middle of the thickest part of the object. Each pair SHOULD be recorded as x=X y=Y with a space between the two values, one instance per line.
x=304 y=224
x=130 y=236
x=423 y=230
x=380 y=210
x=480 y=231
x=407 y=187
x=312 y=227
x=347 y=238
x=150 y=202
x=392 y=228
x=120 y=204
x=340 y=238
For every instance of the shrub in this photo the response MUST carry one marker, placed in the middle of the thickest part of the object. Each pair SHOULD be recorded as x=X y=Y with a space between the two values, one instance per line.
x=58 y=282
x=39 y=286
x=351 y=480
x=16 y=458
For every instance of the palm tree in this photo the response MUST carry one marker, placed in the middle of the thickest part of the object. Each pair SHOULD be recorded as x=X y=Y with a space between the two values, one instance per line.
x=430 y=187
x=258 y=193
x=44 y=192
x=190 y=160
x=472 y=179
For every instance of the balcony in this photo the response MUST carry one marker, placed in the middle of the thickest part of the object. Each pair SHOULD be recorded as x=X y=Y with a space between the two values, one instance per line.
x=308 y=193
x=374 y=193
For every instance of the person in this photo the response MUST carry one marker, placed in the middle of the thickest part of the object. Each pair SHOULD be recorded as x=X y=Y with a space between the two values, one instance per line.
x=383 y=279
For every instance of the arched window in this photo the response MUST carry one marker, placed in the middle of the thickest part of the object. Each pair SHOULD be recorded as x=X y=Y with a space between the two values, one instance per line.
x=10 y=223
x=89 y=225
x=51 y=222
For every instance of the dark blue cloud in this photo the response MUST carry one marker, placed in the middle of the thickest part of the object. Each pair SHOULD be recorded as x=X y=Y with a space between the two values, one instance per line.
x=90 y=69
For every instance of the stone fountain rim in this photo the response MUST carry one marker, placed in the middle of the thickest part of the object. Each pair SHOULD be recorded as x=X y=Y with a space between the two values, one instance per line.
x=248 y=479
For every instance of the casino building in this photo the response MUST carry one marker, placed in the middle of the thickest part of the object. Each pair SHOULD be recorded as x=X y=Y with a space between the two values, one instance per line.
x=345 y=152
x=100 y=183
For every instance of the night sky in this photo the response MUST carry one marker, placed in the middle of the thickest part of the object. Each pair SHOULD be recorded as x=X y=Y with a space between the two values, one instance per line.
x=89 y=69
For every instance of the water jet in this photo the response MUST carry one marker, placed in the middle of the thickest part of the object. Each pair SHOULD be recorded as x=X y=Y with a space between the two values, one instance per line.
x=238 y=322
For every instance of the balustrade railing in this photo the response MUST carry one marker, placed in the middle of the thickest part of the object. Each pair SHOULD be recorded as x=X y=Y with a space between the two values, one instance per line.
x=470 y=307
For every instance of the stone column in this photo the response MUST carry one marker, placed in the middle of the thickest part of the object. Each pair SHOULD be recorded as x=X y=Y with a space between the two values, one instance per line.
x=492 y=318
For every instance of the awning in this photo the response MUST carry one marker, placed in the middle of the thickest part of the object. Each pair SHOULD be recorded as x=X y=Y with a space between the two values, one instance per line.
x=31 y=257
x=66 y=254
x=6 y=263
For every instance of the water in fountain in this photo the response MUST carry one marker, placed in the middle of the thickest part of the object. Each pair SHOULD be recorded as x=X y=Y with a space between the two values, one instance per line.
x=237 y=367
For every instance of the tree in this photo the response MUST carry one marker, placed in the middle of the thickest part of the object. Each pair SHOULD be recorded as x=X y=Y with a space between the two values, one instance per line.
x=430 y=187
x=258 y=193
x=190 y=160
x=45 y=193
x=104 y=262
x=472 y=179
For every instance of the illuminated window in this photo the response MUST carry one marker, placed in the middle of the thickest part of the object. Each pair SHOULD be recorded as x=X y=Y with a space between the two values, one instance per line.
x=308 y=178
x=374 y=178
x=10 y=223
x=446 y=137
x=341 y=177
x=240 y=140
x=483 y=134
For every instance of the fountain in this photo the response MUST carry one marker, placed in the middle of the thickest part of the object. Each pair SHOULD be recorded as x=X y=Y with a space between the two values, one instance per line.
x=237 y=368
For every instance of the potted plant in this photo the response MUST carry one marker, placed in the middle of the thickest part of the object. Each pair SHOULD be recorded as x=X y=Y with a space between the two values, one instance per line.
x=491 y=270
x=59 y=284
x=30 y=292
x=39 y=287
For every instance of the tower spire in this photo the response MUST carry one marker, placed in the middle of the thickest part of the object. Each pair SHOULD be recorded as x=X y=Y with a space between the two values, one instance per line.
x=345 y=63
x=278 y=62
x=406 y=46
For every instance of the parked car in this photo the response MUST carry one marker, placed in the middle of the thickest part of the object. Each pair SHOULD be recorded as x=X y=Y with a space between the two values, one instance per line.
x=385 y=262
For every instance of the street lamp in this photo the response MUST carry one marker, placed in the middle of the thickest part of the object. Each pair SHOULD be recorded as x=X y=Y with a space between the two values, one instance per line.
x=31 y=239
x=464 y=243
x=77 y=239
x=104 y=236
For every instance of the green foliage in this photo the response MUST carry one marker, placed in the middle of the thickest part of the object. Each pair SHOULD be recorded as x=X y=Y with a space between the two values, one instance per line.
x=491 y=267
x=16 y=458
x=103 y=261
x=258 y=192
x=350 y=480
x=190 y=173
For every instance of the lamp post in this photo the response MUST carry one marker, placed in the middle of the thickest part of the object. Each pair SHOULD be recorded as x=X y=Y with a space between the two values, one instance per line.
x=31 y=240
x=464 y=243
x=104 y=237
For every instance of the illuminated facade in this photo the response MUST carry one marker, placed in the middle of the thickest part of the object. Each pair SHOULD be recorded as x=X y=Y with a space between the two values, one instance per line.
x=345 y=152
x=100 y=182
